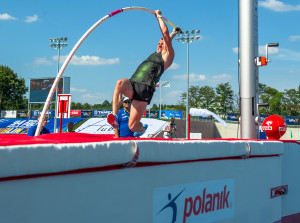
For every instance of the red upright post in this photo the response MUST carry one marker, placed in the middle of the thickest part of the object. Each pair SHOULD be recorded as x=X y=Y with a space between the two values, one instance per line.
x=61 y=111
x=189 y=125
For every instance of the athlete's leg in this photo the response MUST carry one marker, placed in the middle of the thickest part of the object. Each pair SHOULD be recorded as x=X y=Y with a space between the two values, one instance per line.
x=136 y=112
x=123 y=86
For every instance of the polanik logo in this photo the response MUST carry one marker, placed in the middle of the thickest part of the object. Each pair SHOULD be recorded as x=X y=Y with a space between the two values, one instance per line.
x=197 y=202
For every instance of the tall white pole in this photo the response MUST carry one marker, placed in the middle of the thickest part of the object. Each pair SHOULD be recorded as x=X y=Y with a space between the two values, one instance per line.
x=160 y=99
x=55 y=119
x=248 y=70
x=57 y=43
x=187 y=91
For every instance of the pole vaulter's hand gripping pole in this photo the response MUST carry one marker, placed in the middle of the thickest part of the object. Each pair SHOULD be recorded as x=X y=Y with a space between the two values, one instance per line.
x=69 y=57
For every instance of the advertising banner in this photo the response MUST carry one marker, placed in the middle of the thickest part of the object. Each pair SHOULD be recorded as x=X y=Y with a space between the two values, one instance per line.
x=36 y=113
x=233 y=116
x=292 y=120
x=263 y=117
x=9 y=114
x=208 y=201
x=22 y=114
x=101 y=113
x=100 y=126
x=205 y=118
x=171 y=114
x=75 y=113
x=21 y=126
x=86 y=113
x=153 y=114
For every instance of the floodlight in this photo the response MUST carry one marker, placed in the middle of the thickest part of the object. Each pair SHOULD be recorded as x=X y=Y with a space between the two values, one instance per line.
x=186 y=38
x=273 y=44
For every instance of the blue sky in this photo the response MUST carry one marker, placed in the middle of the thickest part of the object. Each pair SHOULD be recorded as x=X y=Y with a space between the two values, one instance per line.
x=120 y=44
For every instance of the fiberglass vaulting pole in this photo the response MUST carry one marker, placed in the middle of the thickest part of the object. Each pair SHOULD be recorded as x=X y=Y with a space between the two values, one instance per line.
x=248 y=39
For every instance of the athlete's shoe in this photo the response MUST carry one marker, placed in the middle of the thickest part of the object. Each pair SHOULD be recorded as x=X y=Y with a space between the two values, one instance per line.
x=112 y=120
x=138 y=134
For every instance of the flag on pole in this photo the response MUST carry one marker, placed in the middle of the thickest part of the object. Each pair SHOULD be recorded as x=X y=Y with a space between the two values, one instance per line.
x=164 y=84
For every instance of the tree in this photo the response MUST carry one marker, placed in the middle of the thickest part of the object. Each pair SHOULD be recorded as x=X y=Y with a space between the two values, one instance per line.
x=87 y=106
x=12 y=90
x=155 y=107
x=276 y=103
x=291 y=102
x=97 y=107
x=106 y=105
x=207 y=97
x=194 y=97
x=78 y=106
x=73 y=105
x=266 y=93
x=224 y=98
x=273 y=97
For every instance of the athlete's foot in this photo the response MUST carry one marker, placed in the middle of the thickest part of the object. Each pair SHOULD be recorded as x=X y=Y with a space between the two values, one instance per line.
x=138 y=134
x=112 y=120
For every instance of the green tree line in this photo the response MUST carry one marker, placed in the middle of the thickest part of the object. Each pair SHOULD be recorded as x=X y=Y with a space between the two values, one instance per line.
x=222 y=99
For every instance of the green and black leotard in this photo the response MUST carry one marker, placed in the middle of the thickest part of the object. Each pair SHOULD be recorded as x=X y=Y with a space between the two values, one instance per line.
x=150 y=71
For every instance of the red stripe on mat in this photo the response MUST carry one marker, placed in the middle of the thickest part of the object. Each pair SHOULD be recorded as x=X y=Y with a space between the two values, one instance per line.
x=120 y=166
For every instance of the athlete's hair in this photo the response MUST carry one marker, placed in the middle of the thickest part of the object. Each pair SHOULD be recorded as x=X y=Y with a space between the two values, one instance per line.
x=46 y=117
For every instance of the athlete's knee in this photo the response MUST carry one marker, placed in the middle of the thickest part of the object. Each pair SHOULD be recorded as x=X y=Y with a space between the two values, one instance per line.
x=134 y=126
x=121 y=84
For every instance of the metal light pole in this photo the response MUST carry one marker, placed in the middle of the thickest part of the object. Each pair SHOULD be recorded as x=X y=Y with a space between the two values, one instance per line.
x=162 y=84
x=57 y=43
x=188 y=37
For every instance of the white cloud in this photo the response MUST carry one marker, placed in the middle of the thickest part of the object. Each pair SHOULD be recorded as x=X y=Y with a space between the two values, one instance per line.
x=261 y=50
x=30 y=19
x=290 y=55
x=221 y=78
x=174 y=66
x=283 y=54
x=6 y=16
x=42 y=61
x=271 y=50
x=278 y=6
x=294 y=38
x=169 y=97
x=94 y=98
x=235 y=50
x=192 y=77
x=89 y=60
x=78 y=90
x=297 y=71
